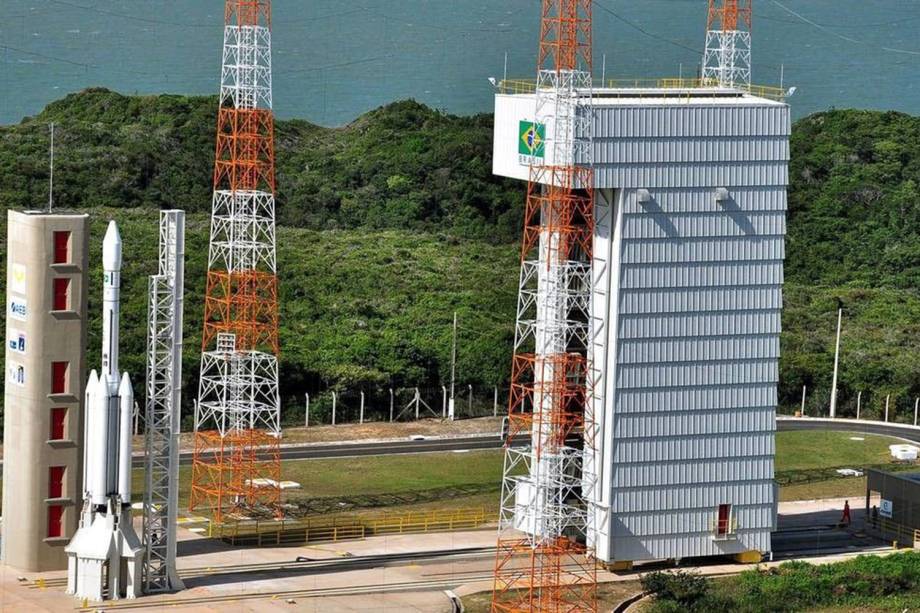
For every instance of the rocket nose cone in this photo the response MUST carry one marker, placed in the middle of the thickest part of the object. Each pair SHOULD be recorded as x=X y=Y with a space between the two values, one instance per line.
x=92 y=382
x=124 y=389
x=111 y=248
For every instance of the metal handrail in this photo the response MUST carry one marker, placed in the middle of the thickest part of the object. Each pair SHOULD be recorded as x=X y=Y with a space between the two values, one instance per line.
x=529 y=86
x=902 y=534
x=345 y=526
x=730 y=532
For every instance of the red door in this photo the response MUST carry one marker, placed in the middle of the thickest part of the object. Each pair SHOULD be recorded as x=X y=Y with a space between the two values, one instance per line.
x=724 y=515
x=62 y=247
x=55 y=515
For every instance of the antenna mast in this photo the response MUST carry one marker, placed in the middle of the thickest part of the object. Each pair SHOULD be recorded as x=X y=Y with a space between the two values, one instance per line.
x=727 y=59
x=544 y=560
x=51 y=178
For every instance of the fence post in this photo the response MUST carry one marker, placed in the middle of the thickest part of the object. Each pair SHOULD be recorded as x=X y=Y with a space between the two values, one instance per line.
x=443 y=401
x=858 y=404
x=471 y=400
x=306 y=411
x=361 y=418
x=916 y=406
x=495 y=403
x=887 y=402
x=333 y=407
x=804 y=389
x=391 y=405
x=418 y=398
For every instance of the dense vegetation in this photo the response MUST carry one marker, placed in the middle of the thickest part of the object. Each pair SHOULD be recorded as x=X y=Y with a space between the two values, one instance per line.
x=854 y=234
x=864 y=583
x=391 y=223
x=402 y=166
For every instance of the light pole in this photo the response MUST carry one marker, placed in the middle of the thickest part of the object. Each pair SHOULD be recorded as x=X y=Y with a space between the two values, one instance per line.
x=453 y=370
x=836 y=359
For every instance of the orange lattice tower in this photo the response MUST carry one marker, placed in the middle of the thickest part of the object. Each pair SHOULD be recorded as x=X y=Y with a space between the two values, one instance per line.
x=237 y=421
x=544 y=560
x=727 y=58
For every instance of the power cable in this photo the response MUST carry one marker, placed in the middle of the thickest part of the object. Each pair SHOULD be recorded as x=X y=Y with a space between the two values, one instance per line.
x=642 y=30
x=46 y=57
x=185 y=24
x=848 y=39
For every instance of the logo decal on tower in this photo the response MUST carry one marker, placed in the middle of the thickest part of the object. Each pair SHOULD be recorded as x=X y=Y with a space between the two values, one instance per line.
x=18 y=279
x=532 y=142
x=18 y=309
x=17 y=374
x=16 y=341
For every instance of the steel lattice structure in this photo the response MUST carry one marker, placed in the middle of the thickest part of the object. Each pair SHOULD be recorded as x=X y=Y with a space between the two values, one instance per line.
x=237 y=421
x=727 y=58
x=162 y=415
x=544 y=561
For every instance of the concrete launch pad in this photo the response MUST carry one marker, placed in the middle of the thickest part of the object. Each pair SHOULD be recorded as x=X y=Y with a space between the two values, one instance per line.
x=390 y=573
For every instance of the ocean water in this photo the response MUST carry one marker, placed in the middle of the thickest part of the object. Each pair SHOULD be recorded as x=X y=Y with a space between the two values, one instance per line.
x=335 y=59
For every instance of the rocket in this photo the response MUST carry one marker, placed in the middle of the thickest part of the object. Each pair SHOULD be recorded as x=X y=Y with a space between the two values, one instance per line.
x=106 y=536
x=109 y=397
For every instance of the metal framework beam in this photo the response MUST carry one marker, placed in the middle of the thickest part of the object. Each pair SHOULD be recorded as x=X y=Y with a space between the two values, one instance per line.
x=162 y=414
x=238 y=421
x=727 y=58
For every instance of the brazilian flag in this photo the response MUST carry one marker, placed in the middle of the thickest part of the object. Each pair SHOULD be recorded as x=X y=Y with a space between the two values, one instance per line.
x=533 y=139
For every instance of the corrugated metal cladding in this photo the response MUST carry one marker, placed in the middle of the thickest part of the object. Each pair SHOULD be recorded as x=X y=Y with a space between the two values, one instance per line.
x=689 y=275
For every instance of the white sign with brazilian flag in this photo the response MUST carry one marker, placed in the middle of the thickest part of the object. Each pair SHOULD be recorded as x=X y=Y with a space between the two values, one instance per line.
x=532 y=142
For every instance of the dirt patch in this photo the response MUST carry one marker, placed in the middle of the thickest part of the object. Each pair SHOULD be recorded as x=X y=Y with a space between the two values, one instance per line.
x=609 y=595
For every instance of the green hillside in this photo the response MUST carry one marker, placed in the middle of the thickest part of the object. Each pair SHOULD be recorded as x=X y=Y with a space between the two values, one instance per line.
x=391 y=223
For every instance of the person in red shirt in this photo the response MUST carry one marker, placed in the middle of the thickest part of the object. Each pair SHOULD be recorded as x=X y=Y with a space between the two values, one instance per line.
x=845 y=519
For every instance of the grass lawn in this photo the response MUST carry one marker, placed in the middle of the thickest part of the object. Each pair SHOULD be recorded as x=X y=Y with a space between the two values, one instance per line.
x=805 y=464
x=427 y=481
x=805 y=450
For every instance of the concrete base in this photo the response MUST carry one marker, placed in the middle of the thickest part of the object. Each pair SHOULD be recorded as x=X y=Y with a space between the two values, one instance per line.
x=619 y=566
x=748 y=557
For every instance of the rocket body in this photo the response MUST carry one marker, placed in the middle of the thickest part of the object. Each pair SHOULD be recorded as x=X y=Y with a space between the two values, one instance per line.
x=111 y=302
x=109 y=397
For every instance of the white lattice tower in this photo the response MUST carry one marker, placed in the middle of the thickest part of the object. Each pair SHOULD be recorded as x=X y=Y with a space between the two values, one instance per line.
x=727 y=58
x=238 y=421
x=544 y=509
x=162 y=415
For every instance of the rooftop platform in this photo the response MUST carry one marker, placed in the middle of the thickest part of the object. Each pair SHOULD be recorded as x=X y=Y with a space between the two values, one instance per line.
x=653 y=91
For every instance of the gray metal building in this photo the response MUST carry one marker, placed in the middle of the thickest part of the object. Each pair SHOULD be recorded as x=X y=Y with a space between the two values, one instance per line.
x=897 y=514
x=687 y=295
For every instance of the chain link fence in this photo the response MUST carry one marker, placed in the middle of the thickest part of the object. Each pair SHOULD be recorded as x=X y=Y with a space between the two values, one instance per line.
x=400 y=404
x=865 y=405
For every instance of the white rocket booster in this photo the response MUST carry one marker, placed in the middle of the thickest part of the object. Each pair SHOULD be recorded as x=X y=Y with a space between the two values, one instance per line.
x=126 y=398
x=106 y=536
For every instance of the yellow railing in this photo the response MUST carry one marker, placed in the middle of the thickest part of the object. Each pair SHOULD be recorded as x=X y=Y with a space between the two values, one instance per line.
x=342 y=527
x=903 y=536
x=623 y=86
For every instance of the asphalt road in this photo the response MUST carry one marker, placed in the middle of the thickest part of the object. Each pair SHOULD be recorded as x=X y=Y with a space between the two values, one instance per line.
x=786 y=425
x=340 y=450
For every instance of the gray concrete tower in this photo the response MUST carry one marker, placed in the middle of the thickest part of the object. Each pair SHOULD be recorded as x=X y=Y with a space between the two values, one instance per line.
x=44 y=375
